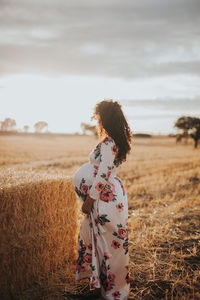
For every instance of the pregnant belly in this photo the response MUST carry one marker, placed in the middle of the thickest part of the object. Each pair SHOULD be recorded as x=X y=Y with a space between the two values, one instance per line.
x=83 y=179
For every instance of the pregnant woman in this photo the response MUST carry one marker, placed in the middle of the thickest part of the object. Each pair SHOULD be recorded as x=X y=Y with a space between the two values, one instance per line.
x=103 y=239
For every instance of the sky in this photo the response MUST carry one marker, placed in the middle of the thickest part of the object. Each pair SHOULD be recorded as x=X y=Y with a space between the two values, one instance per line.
x=59 y=58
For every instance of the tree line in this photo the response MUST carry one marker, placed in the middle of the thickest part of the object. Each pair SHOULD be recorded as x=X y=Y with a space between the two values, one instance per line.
x=9 y=124
x=189 y=126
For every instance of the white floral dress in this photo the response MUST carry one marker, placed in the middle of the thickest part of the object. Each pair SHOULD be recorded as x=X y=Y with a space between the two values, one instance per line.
x=103 y=239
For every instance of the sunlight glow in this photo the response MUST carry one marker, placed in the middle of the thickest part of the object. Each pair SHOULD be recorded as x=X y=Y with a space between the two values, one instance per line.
x=66 y=101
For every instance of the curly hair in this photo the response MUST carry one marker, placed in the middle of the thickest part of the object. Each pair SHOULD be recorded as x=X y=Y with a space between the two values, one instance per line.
x=112 y=122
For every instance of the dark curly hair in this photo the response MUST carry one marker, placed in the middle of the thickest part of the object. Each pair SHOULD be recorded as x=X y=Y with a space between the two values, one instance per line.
x=113 y=123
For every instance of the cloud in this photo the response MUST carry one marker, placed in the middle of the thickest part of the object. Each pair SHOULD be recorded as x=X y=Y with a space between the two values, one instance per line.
x=126 y=39
x=166 y=102
x=161 y=108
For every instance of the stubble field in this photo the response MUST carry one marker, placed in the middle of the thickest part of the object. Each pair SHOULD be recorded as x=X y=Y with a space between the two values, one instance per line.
x=162 y=180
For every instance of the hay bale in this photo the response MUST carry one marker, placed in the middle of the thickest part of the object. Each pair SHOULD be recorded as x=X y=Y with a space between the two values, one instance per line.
x=38 y=228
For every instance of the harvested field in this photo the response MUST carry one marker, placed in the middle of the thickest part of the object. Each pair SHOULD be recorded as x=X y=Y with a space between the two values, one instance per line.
x=162 y=179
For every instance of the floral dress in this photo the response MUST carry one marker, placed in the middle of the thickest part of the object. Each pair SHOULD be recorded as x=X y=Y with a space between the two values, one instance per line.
x=103 y=238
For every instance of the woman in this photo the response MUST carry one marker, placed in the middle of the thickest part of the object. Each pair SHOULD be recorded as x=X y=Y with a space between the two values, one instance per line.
x=103 y=238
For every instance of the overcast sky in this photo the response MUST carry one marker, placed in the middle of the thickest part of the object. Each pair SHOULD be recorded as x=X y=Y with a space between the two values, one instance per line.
x=130 y=50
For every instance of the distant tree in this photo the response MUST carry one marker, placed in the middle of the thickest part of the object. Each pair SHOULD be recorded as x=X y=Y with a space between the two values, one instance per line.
x=190 y=127
x=8 y=124
x=39 y=126
x=88 y=128
x=26 y=128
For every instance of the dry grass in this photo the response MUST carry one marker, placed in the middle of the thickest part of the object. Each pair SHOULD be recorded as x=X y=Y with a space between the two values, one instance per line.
x=44 y=151
x=163 y=184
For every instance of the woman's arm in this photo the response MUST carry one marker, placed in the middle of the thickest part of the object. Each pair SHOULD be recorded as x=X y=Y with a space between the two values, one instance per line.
x=107 y=156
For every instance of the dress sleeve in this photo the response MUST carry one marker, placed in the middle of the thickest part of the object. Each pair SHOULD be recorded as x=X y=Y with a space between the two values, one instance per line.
x=107 y=157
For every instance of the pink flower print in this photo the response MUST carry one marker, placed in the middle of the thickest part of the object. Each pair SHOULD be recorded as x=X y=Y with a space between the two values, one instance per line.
x=98 y=220
x=125 y=247
x=114 y=150
x=78 y=263
x=82 y=269
x=79 y=260
x=99 y=186
x=113 y=186
x=108 y=174
x=106 y=256
x=120 y=207
x=122 y=232
x=127 y=278
x=95 y=281
x=83 y=246
x=78 y=267
x=111 y=277
x=116 y=295
x=115 y=244
x=84 y=189
x=96 y=151
x=107 y=139
x=95 y=170
x=90 y=246
x=107 y=285
x=88 y=259
x=95 y=238
x=104 y=270
x=107 y=195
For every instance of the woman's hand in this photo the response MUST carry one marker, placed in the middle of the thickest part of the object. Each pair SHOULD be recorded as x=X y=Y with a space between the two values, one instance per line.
x=87 y=205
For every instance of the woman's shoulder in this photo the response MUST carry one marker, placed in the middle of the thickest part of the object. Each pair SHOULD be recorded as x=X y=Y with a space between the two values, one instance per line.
x=108 y=140
x=109 y=143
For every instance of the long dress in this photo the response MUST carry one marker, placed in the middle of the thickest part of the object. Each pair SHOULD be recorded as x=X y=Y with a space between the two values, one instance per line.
x=102 y=252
